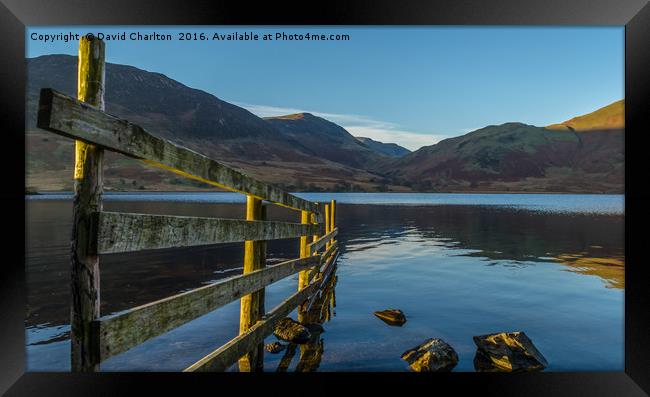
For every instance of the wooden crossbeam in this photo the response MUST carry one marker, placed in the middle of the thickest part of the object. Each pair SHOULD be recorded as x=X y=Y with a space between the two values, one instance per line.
x=124 y=232
x=123 y=331
x=320 y=243
x=223 y=357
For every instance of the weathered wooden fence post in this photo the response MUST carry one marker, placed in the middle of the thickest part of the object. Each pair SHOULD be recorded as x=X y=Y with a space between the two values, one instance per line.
x=303 y=277
x=87 y=200
x=262 y=248
x=314 y=222
x=328 y=223
x=314 y=238
x=333 y=217
x=252 y=305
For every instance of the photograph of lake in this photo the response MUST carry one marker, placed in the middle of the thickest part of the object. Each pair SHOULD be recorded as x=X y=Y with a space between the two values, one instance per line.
x=335 y=199
x=458 y=265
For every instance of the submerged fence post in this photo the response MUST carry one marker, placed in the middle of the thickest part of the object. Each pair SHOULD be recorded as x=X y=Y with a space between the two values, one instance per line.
x=252 y=305
x=87 y=200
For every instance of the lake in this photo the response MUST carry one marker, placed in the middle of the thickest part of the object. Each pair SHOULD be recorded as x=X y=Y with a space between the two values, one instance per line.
x=458 y=265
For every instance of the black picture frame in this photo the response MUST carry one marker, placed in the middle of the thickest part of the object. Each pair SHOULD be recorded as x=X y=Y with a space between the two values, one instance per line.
x=16 y=14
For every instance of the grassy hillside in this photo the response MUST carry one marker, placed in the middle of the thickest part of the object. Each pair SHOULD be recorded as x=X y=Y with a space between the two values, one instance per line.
x=610 y=117
x=517 y=157
x=303 y=152
x=293 y=157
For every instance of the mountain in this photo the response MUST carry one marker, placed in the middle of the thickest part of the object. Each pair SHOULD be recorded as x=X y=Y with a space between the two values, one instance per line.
x=610 y=117
x=389 y=149
x=302 y=152
x=326 y=139
x=521 y=157
x=169 y=108
x=307 y=154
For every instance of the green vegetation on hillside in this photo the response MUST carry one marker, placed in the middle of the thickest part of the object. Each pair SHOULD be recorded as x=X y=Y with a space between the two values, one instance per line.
x=606 y=118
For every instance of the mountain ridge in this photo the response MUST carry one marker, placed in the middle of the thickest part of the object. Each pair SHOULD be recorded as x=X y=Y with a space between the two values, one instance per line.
x=389 y=149
x=195 y=119
x=519 y=157
x=609 y=117
x=302 y=151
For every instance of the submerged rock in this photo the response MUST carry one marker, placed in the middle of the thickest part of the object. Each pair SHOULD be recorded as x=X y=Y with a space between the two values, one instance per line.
x=507 y=352
x=314 y=328
x=275 y=347
x=392 y=317
x=291 y=331
x=433 y=355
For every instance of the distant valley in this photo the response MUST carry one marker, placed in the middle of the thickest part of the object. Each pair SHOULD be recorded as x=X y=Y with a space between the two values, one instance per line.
x=303 y=152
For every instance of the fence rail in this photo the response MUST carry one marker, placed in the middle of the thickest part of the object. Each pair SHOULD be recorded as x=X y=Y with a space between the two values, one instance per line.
x=322 y=242
x=96 y=232
x=122 y=232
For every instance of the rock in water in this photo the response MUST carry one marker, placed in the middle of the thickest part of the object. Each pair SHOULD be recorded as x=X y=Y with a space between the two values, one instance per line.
x=275 y=347
x=314 y=328
x=392 y=317
x=507 y=352
x=291 y=331
x=434 y=355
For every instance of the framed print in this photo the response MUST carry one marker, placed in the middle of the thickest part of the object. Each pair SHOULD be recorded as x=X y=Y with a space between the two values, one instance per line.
x=365 y=192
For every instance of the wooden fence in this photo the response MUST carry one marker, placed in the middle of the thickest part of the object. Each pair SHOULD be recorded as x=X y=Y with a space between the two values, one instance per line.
x=96 y=338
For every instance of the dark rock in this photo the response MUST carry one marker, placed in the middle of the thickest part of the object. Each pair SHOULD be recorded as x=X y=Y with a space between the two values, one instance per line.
x=507 y=352
x=291 y=331
x=314 y=328
x=392 y=317
x=275 y=347
x=433 y=355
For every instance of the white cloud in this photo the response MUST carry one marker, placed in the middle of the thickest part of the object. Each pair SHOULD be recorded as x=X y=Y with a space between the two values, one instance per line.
x=407 y=139
x=357 y=125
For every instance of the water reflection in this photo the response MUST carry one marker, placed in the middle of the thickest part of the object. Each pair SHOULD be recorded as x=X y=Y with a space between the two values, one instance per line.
x=455 y=271
x=609 y=269
x=321 y=312
x=584 y=243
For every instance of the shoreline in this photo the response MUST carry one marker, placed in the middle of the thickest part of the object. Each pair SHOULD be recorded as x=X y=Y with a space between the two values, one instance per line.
x=46 y=192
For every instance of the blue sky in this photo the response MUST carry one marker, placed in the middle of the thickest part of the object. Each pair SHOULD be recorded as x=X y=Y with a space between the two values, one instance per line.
x=410 y=85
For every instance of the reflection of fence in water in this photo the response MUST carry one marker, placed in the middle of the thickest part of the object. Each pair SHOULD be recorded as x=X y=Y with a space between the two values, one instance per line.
x=95 y=232
x=321 y=311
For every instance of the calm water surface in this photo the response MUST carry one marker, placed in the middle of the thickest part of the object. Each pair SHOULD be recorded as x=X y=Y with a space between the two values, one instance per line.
x=458 y=265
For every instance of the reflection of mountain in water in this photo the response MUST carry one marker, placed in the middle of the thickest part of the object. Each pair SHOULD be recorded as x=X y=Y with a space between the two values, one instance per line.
x=612 y=270
x=587 y=244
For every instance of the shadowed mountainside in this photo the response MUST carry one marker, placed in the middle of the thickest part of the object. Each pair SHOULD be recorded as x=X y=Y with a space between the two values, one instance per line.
x=303 y=152
x=321 y=155
x=389 y=149
x=329 y=141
